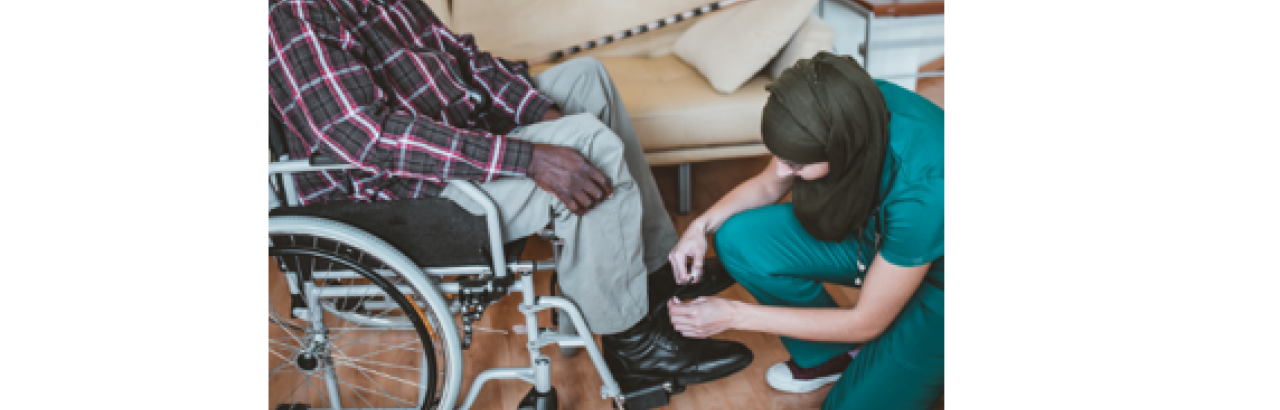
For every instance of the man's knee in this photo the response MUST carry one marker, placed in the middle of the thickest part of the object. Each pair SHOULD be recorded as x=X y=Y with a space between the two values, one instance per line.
x=575 y=70
x=591 y=135
x=579 y=85
x=586 y=66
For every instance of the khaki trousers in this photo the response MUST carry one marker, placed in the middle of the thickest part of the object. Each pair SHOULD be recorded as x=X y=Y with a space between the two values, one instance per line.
x=608 y=252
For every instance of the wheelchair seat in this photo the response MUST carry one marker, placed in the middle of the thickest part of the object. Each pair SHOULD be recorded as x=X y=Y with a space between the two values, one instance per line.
x=433 y=232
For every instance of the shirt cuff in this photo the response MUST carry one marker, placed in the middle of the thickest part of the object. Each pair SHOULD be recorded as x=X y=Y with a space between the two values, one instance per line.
x=537 y=108
x=517 y=156
x=907 y=261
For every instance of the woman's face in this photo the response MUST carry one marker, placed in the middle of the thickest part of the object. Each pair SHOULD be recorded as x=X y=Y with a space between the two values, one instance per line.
x=807 y=172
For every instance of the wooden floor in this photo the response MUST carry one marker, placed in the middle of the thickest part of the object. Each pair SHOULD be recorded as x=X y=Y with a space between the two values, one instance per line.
x=575 y=380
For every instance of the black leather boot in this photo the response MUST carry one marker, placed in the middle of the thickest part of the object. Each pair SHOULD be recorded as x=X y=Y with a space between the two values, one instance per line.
x=662 y=283
x=652 y=351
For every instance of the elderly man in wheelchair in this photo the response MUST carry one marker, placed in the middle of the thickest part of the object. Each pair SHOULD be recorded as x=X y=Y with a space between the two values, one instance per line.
x=408 y=169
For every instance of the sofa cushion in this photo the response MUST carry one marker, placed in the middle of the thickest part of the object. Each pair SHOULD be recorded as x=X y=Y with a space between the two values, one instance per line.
x=731 y=46
x=671 y=106
x=526 y=30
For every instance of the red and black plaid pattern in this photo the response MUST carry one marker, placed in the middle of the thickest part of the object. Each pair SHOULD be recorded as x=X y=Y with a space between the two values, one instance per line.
x=383 y=85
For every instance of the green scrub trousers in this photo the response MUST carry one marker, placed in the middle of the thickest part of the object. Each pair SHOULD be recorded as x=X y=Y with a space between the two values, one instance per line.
x=772 y=256
x=775 y=259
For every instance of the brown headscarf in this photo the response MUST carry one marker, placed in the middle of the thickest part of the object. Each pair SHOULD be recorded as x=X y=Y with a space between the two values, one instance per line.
x=829 y=109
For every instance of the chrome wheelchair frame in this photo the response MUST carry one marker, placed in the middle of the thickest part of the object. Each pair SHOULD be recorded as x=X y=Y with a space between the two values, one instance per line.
x=426 y=288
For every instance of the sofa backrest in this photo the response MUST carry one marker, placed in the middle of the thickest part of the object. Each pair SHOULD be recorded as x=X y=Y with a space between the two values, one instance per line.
x=528 y=29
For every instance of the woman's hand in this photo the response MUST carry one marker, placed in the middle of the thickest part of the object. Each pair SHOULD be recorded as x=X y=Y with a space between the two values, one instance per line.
x=704 y=317
x=691 y=248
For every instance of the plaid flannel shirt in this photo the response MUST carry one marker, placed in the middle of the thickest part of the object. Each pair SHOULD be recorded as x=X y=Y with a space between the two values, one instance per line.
x=384 y=86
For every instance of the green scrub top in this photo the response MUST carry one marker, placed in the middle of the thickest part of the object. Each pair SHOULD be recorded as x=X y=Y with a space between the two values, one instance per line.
x=913 y=207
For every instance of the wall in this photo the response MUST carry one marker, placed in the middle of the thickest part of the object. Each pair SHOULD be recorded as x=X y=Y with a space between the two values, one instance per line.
x=900 y=45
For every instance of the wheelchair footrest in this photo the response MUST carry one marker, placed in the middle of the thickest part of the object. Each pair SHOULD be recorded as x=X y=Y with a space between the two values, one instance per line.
x=535 y=401
x=648 y=396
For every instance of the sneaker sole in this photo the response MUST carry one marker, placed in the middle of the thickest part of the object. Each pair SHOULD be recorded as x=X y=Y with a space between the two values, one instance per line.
x=789 y=385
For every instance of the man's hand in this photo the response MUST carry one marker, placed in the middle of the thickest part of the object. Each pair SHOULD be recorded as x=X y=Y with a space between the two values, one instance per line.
x=552 y=115
x=567 y=175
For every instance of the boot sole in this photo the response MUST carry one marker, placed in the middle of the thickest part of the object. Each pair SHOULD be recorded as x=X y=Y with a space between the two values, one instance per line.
x=649 y=379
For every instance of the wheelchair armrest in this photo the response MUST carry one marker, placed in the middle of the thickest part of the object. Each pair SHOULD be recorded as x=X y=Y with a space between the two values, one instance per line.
x=319 y=159
x=299 y=165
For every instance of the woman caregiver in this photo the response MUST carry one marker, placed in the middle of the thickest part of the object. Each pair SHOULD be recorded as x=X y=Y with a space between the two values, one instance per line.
x=863 y=159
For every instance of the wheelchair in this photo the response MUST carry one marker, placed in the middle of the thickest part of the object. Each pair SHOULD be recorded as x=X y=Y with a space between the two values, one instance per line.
x=373 y=289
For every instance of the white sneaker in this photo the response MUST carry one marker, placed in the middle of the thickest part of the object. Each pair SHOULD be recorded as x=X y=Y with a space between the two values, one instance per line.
x=781 y=376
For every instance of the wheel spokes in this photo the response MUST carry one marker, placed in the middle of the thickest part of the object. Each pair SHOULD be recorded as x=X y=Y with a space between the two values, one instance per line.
x=362 y=362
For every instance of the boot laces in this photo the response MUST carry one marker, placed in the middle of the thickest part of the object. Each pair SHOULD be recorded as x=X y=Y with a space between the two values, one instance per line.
x=670 y=332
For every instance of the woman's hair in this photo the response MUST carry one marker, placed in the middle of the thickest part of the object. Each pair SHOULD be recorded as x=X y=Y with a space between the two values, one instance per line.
x=829 y=109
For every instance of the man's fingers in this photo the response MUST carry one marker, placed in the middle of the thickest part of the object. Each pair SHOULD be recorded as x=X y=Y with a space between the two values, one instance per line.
x=571 y=203
x=567 y=203
x=574 y=206
x=596 y=192
x=578 y=201
x=600 y=180
x=584 y=199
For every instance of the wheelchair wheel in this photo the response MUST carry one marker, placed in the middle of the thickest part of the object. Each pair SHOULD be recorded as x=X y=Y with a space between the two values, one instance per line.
x=353 y=326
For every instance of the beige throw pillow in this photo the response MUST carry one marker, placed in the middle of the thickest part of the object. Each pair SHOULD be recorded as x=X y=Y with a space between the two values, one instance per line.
x=731 y=46
x=814 y=36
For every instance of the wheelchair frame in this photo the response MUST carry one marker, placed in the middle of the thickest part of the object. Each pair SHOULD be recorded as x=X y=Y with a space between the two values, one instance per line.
x=519 y=274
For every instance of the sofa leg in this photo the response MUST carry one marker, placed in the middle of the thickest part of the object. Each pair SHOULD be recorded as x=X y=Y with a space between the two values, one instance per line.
x=685 y=187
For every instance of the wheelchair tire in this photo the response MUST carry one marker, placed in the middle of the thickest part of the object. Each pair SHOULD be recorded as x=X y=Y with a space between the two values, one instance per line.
x=381 y=340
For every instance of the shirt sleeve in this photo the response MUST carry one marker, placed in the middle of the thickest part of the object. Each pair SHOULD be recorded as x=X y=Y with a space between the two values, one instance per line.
x=914 y=225
x=328 y=97
x=508 y=90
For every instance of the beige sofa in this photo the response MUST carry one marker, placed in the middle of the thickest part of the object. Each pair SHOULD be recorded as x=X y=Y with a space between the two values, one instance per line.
x=679 y=116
